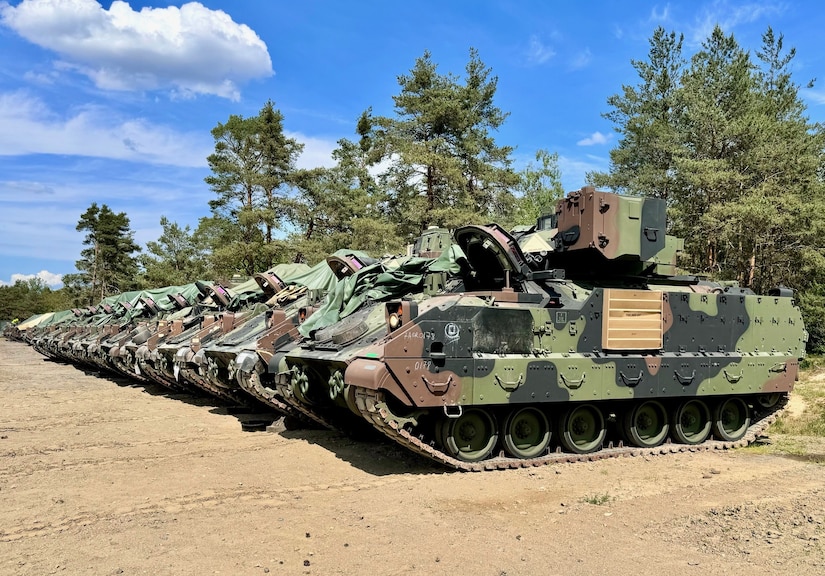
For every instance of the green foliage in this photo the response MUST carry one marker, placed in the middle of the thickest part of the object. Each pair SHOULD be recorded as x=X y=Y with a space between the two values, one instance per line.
x=175 y=258
x=726 y=141
x=107 y=265
x=434 y=162
x=252 y=175
x=646 y=117
x=342 y=207
x=809 y=393
x=444 y=166
x=538 y=189
x=597 y=499
x=26 y=298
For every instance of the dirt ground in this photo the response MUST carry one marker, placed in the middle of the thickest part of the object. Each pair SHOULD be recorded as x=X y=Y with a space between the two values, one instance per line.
x=104 y=476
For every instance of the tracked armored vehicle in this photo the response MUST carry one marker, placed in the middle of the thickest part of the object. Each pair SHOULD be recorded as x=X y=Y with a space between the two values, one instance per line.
x=308 y=375
x=250 y=353
x=584 y=344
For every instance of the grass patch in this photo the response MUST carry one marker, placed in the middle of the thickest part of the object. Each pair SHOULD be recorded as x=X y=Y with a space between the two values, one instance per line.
x=811 y=390
x=810 y=423
x=798 y=433
x=780 y=444
x=597 y=499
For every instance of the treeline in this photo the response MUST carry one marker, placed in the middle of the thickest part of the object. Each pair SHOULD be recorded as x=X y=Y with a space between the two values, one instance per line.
x=723 y=136
x=434 y=162
x=29 y=297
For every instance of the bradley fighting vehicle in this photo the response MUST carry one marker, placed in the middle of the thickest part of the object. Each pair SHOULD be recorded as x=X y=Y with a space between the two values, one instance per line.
x=308 y=374
x=582 y=345
x=242 y=356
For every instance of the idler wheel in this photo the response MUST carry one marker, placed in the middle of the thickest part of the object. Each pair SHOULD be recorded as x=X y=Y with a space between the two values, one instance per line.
x=582 y=429
x=471 y=436
x=691 y=422
x=526 y=433
x=731 y=419
x=768 y=401
x=646 y=425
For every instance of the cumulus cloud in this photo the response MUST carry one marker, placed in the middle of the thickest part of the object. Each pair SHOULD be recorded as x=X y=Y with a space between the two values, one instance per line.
x=29 y=126
x=48 y=278
x=538 y=52
x=594 y=139
x=189 y=50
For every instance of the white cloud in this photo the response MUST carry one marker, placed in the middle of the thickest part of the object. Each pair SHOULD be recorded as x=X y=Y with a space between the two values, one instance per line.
x=816 y=97
x=317 y=151
x=659 y=15
x=574 y=170
x=48 y=278
x=537 y=52
x=581 y=60
x=595 y=138
x=189 y=50
x=728 y=15
x=28 y=126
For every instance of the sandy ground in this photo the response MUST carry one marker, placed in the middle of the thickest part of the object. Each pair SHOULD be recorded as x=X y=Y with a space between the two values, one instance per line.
x=104 y=476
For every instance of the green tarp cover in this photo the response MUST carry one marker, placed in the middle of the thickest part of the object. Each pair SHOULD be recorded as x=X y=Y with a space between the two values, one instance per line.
x=249 y=290
x=35 y=320
x=160 y=296
x=384 y=280
x=321 y=277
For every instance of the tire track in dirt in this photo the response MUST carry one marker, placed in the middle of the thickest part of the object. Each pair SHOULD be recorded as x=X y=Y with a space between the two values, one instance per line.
x=9 y=469
x=33 y=527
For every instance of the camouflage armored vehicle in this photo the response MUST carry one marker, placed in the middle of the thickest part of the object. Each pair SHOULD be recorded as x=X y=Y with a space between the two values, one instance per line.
x=170 y=359
x=243 y=355
x=150 y=308
x=309 y=375
x=585 y=346
x=181 y=356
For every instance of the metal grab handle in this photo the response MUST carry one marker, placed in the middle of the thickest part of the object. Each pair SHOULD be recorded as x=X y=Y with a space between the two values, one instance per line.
x=298 y=382
x=733 y=378
x=509 y=386
x=631 y=381
x=573 y=384
x=438 y=387
x=783 y=367
x=336 y=385
x=684 y=380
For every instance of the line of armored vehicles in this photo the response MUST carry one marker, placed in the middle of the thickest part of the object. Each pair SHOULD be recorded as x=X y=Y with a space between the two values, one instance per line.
x=480 y=349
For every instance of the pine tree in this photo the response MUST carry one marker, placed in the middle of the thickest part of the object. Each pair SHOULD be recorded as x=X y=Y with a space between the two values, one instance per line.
x=252 y=175
x=741 y=166
x=647 y=117
x=445 y=167
x=174 y=258
x=107 y=265
x=343 y=207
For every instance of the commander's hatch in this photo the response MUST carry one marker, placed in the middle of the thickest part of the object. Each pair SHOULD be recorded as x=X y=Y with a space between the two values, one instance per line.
x=496 y=261
x=348 y=265
x=270 y=283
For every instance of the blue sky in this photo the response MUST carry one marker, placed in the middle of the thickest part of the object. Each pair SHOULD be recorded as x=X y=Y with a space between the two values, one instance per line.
x=113 y=102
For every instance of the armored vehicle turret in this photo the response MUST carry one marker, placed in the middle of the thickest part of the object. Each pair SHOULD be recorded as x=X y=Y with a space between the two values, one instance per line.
x=583 y=344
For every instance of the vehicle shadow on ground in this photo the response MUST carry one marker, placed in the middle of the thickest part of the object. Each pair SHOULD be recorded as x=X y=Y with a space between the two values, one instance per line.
x=371 y=453
x=253 y=416
x=364 y=448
